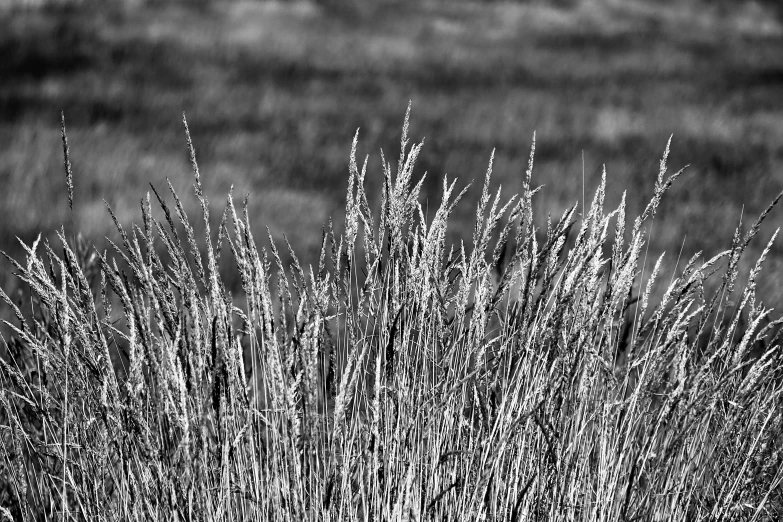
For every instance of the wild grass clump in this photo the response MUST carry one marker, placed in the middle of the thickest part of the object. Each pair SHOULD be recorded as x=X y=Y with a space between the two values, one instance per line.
x=521 y=377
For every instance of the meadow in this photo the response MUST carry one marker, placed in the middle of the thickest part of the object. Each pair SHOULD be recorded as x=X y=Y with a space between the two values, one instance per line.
x=263 y=325
x=275 y=91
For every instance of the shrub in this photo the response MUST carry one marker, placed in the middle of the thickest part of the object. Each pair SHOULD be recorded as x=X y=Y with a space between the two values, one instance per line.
x=520 y=378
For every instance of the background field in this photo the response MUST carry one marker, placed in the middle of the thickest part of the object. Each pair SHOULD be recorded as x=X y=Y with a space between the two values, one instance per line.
x=275 y=91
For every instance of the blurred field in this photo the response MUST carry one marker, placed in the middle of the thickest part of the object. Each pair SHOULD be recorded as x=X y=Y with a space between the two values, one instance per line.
x=275 y=91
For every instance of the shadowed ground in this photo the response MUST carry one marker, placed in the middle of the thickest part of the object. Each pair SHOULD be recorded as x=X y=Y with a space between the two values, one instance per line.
x=275 y=91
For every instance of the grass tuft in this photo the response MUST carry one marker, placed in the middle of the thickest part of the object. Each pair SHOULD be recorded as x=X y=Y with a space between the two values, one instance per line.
x=403 y=379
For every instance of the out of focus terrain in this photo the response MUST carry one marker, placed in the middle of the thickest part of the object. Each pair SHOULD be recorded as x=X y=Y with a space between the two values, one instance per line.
x=274 y=92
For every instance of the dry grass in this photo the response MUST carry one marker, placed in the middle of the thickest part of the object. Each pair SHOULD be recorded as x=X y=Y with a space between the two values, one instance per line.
x=520 y=377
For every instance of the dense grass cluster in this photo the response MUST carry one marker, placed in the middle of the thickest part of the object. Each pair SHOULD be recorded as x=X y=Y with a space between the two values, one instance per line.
x=522 y=377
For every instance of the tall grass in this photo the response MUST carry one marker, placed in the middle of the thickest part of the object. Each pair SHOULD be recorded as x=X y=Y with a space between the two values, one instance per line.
x=521 y=377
